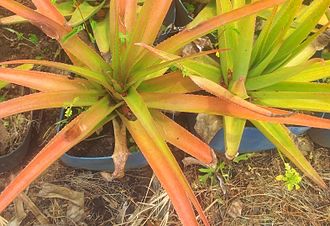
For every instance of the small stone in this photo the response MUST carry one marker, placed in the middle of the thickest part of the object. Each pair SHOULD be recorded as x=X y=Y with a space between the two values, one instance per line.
x=207 y=126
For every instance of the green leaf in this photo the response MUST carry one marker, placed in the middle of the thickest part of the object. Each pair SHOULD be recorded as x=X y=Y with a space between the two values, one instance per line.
x=298 y=87
x=83 y=12
x=33 y=39
x=227 y=38
x=306 y=49
x=259 y=68
x=206 y=69
x=277 y=76
x=233 y=128
x=75 y=30
x=3 y=84
x=101 y=34
x=271 y=37
x=243 y=49
x=291 y=95
x=309 y=101
x=306 y=22
x=291 y=178
x=207 y=12
x=312 y=73
x=66 y=8
x=186 y=65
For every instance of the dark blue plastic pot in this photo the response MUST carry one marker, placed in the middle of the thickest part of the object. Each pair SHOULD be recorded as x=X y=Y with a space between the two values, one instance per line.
x=321 y=136
x=135 y=160
x=252 y=141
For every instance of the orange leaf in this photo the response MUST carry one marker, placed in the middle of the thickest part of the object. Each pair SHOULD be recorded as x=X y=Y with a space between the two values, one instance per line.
x=146 y=28
x=227 y=96
x=39 y=101
x=183 y=139
x=69 y=136
x=173 y=82
x=42 y=81
x=213 y=105
x=46 y=8
x=168 y=172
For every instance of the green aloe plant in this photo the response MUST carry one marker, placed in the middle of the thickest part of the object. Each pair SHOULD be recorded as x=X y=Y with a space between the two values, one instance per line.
x=273 y=68
x=131 y=91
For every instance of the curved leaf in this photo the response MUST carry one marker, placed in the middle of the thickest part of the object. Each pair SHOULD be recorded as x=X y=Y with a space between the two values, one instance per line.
x=197 y=67
x=173 y=82
x=146 y=28
x=42 y=81
x=83 y=12
x=227 y=96
x=101 y=34
x=68 y=137
x=84 y=72
x=140 y=110
x=39 y=101
x=46 y=8
x=167 y=171
x=212 y=105
x=183 y=139
x=318 y=71
x=280 y=75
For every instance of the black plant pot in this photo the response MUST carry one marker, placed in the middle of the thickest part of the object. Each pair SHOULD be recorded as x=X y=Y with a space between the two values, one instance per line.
x=176 y=18
x=321 y=136
x=11 y=160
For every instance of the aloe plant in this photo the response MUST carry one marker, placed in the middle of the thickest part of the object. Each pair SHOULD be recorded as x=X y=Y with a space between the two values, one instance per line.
x=273 y=69
x=132 y=90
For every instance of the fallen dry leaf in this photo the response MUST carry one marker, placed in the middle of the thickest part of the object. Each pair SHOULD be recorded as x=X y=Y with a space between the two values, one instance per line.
x=3 y=221
x=75 y=209
x=19 y=213
x=34 y=209
x=235 y=209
